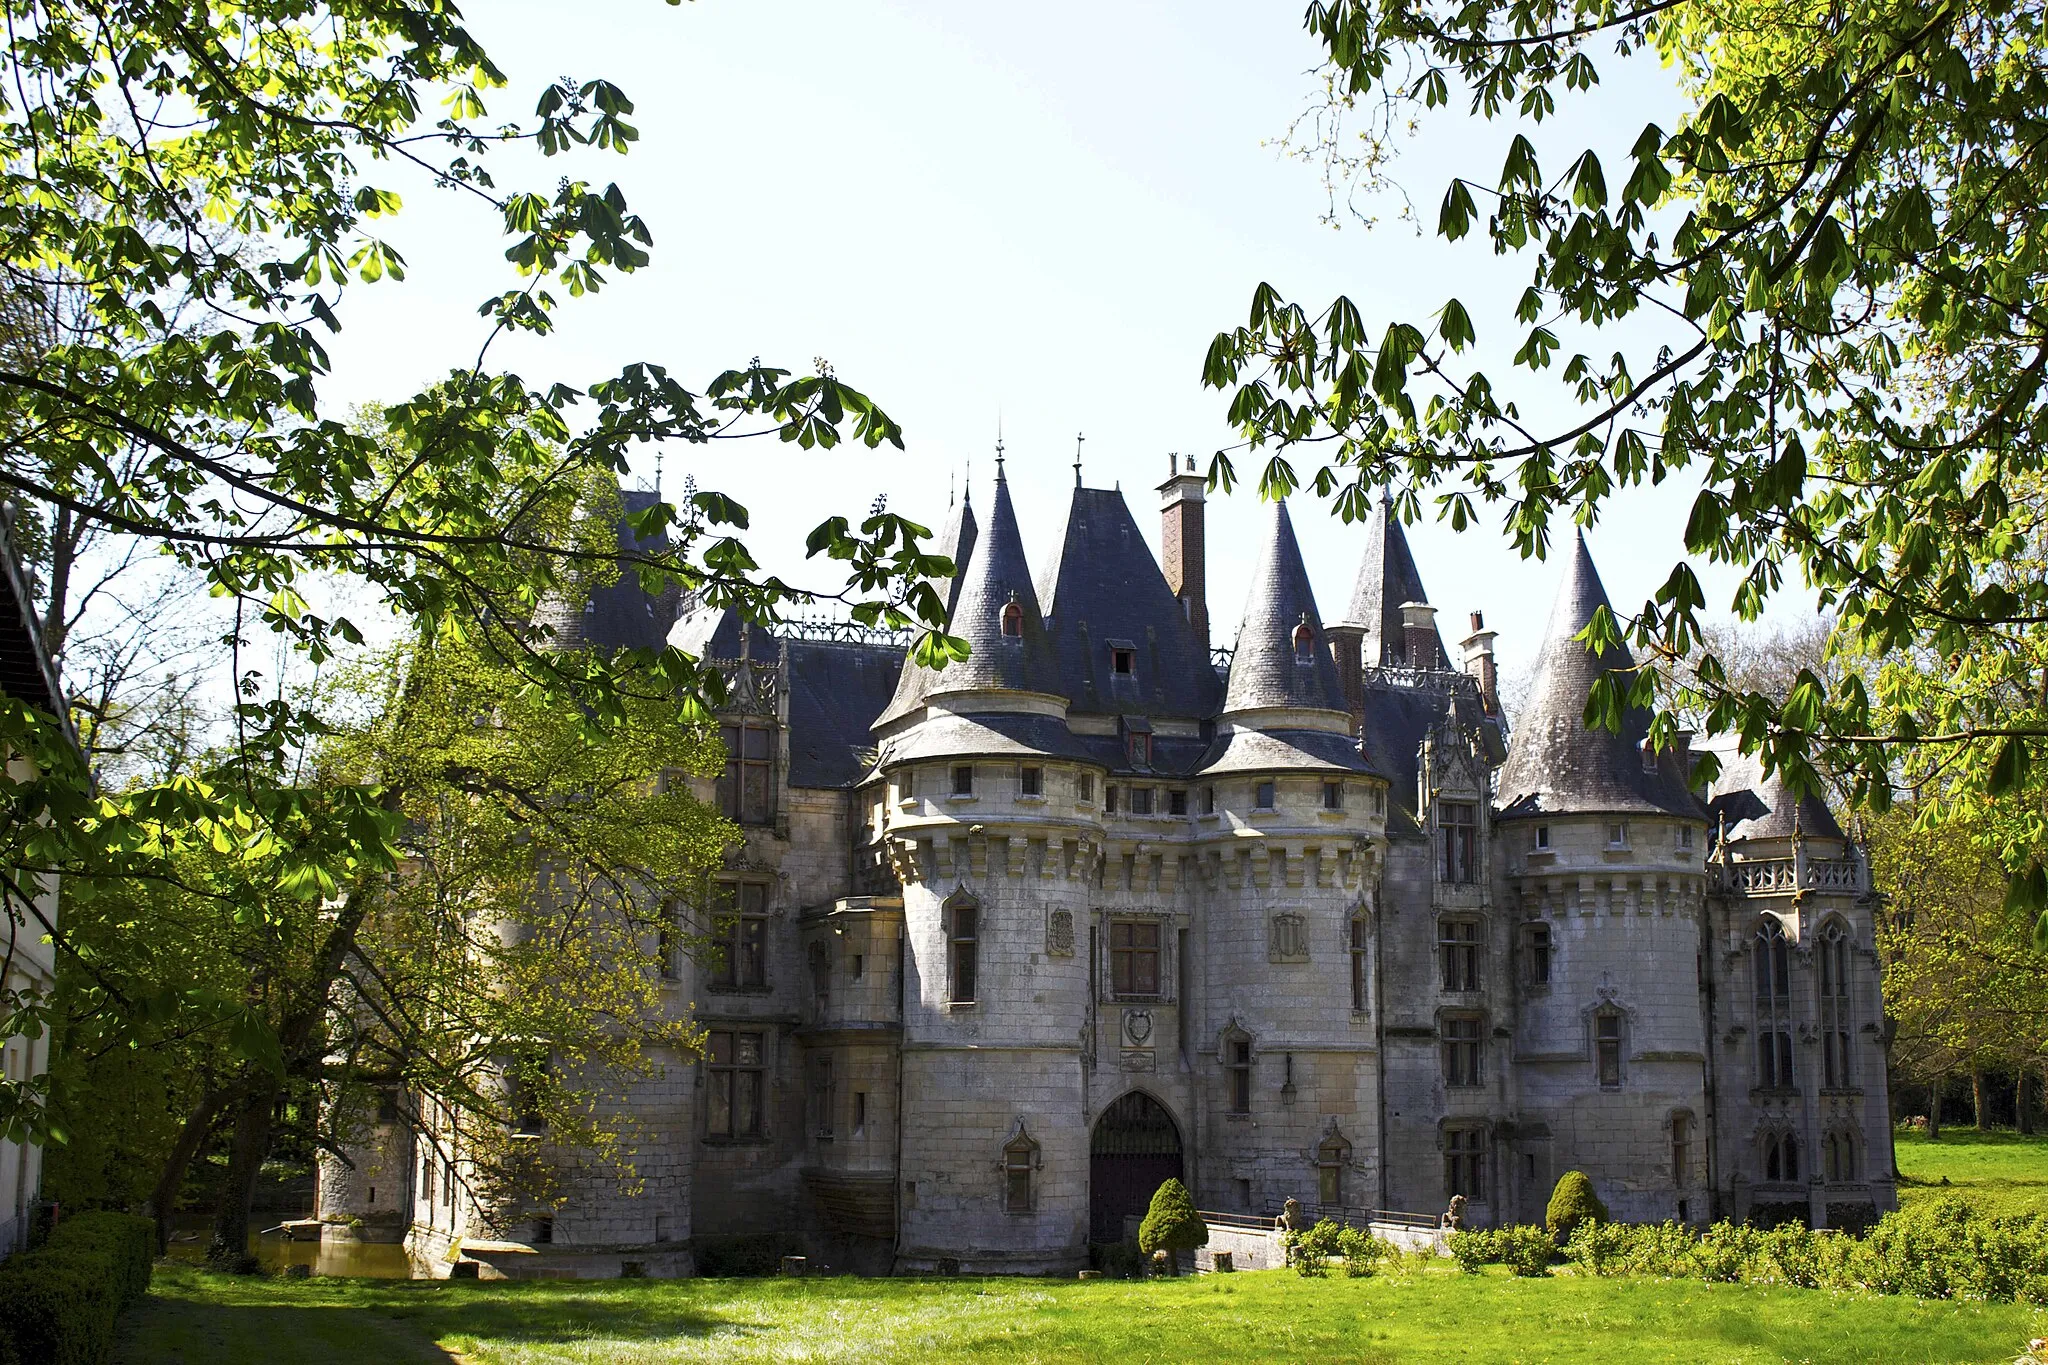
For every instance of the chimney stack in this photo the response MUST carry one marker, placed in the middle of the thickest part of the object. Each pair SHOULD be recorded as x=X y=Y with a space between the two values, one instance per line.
x=1478 y=647
x=1418 y=628
x=1182 y=546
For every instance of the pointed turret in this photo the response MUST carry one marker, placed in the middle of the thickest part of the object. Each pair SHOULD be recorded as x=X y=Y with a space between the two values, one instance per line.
x=995 y=609
x=1387 y=581
x=1556 y=764
x=1282 y=657
x=1753 y=806
x=956 y=542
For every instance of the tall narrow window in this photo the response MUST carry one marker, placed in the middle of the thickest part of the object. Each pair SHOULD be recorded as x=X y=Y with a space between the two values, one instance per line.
x=824 y=1097
x=1542 y=837
x=1304 y=644
x=1465 y=1163
x=733 y=1061
x=1681 y=1150
x=1458 y=833
x=1833 y=962
x=1109 y=791
x=1208 y=800
x=1838 y=1156
x=1240 y=1054
x=1772 y=970
x=1361 y=979
x=739 y=930
x=1019 y=1160
x=1134 y=958
x=1177 y=802
x=666 y=949
x=1264 y=795
x=1138 y=747
x=1536 y=952
x=1333 y=796
x=1084 y=786
x=820 y=963
x=1607 y=1048
x=1781 y=1157
x=1458 y=941
x=963 y=929
x=963 y=779
x=1031 y=782
x=1013 y=620
x=1462 y=1045
x=746 y=792
x=1331 y=1157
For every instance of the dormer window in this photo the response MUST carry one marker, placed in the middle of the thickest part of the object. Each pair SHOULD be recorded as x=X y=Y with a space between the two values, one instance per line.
x=1304 y=642
x=1139 y=748
x=1013 y=620
x=1123 y=662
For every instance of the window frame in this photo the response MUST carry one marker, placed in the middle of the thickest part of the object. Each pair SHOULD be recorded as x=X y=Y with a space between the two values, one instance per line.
x=963 y=779
x=1128 y=959
x=1359 y=949
x=736 y=788
x=1609 y=1029
x=1457 y=825
x=736 y=1085
x=1464 y=1051
x=1539 y=947
x=1460 y=955
x=1020 y=1174
x=1465 y=1162
x=963 y=950
x=1030 y=780
x=739 y=933
x=1266 y=795
x=1238 y=1064
x=1333 y=795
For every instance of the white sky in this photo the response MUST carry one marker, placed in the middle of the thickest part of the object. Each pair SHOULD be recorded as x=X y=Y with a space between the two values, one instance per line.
x=1042 y=212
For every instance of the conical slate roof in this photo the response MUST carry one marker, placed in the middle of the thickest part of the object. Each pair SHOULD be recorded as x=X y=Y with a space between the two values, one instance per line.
x=1103 y=590
x=996 y=575
x=1267 y=670
x=1387 y=578
x=1760 y=807
x=1555 y=764
x=619 y=614
x=956 y=542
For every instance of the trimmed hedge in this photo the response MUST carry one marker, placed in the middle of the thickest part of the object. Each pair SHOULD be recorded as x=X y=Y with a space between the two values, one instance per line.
x=130 y=1242
x=61 y=1301
x=1573 y=1202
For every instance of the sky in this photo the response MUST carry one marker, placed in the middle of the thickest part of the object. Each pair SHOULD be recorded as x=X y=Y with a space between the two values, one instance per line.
x=1030 y=218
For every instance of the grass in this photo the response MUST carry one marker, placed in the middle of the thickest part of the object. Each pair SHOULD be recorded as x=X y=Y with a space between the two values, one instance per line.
x=1424 y=1316
x=1998 y=1172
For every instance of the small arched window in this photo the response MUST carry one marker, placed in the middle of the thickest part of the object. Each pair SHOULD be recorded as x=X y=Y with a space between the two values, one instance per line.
x=1013 y=620
x=1781 y=1157
x=1304 y=644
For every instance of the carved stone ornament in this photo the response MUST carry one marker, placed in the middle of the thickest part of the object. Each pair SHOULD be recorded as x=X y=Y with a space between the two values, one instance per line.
x=1289 y=942
x=1137 y=1059
x=1138 y=1028
x=1059 y=933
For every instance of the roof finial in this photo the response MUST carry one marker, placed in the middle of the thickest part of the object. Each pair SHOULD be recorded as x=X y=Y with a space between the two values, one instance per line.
x=999 y=449
x=657 y=475
x=1078 y=438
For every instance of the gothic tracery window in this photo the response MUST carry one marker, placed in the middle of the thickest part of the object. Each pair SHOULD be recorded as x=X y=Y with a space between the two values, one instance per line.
x=1832 y=959
x=1772 y=969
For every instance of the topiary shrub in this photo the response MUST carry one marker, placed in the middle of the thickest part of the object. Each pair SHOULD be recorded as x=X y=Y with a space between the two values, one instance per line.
x=59 y=1306
x=127 y=1240
x=1572 y=1203
x=1171 y=1225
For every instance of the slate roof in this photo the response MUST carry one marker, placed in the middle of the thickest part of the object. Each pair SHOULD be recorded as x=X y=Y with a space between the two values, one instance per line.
x=1399 y=718
x=1555 y=764
x=1101 y=587
x=27 y=673
x=1265 y=670
x=1760 y=807
x=1279 y=750
x=618 y=615
x=1387 y=578
x=836 y=689
x=996 y=574
x=956 y=542
x=706 y=632
x=1003 y=734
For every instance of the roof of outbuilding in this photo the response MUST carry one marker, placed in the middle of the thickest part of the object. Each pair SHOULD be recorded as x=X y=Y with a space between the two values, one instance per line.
x=1103 y=586
x=996 y=575
x=1265 y=669
x=1387 y=579
x=836 y=690
x=1555 y=764
x=1760 y=807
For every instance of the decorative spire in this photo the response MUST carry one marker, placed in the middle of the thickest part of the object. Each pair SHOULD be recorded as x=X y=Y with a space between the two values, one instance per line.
x=1282 y=657
x=1387 y=578
x=1078 y=438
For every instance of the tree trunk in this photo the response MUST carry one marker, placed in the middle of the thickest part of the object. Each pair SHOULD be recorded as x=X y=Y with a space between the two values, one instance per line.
x=1934 y=1088
x=2023 y=1103
x=229 y=1249
x=1981 y=1111
x=197 y=1125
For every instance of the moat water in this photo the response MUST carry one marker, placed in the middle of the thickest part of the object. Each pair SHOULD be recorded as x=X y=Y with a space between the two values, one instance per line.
x=367 y=1260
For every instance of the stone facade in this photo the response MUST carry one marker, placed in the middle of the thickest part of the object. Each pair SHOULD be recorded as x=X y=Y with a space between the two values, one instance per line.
x=1013 y=941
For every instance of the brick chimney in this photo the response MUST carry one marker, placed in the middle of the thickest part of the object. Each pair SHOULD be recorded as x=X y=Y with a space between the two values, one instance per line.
x=1418 y=629
x=1182 y=545
x=1478 y=648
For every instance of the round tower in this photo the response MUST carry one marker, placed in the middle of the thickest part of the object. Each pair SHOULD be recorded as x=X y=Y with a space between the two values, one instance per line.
x=1604 y=844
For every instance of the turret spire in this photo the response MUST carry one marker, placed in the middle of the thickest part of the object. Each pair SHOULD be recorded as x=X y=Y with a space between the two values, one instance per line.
x=1387 y=581
x=1282 y=657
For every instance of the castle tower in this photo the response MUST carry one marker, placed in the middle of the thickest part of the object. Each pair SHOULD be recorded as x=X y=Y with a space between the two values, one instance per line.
x=1603 y=840
x=991 y=806
x=1287 y=892
x=1802 y=1125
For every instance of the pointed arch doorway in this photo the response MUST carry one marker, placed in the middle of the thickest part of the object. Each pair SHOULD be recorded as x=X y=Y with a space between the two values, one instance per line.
x=1134 y=1149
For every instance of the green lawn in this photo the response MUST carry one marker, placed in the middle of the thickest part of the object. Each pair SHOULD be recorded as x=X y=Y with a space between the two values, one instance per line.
x=1998 y=1172
x=1435 y=1315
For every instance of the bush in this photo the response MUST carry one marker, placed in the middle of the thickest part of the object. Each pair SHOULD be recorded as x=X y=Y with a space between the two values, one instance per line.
x=1528 y=1251
x=1309 y=1249
x=60 y=1307
x=128 y=1241
x=1599 y=1248
x=1118 y=1260
x=1572 y=1203
x=1171 y=1225
x=1361 y=1252
x=1472 y=1250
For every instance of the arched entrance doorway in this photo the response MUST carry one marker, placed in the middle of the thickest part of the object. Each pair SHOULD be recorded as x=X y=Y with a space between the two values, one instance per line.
x=1135 y=1149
